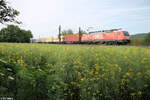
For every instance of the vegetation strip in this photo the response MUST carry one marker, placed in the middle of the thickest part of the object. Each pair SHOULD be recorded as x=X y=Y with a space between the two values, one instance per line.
x=74 y=72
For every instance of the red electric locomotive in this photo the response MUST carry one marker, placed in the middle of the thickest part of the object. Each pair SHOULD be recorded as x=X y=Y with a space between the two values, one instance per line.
x=113 y=36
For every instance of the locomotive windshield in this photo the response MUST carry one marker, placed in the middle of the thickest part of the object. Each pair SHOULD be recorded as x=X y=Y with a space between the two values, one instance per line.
x=126 y=33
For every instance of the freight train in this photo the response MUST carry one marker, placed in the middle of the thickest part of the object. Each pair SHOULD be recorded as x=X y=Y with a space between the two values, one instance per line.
x=109 y=37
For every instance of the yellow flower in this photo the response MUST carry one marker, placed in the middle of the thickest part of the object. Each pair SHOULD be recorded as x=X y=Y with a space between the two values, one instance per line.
x=145 y=85
x=91 y=72
x=119 y=69
x=94 y=93
x=139 y=74
x=139 y=93
x=82 y=79
x=97 y=66
x=127 y=74
x=89 y=88
x=132 y=94
x=75 y=66
x=79 y=74
x=93 y=98
x=96 y=73
x=97 y=91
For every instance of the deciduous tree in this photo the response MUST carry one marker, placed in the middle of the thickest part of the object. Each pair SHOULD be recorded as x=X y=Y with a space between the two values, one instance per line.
x=66 y=32
x=7 y=13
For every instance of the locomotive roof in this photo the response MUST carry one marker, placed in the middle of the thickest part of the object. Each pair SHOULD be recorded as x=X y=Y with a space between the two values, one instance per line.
x=106 y=31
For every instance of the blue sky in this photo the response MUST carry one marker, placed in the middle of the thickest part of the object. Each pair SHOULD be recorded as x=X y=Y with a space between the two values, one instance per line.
x=43 y=17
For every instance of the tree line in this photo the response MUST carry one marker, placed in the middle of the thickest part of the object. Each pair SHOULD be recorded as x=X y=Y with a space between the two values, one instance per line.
x=13 y=33
x=70 y=31
x=140 y=39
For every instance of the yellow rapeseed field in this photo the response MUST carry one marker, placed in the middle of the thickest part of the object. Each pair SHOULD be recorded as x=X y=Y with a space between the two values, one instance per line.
x=73 y=72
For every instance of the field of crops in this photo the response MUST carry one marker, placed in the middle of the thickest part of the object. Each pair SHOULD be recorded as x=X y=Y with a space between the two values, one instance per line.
x=74 y=72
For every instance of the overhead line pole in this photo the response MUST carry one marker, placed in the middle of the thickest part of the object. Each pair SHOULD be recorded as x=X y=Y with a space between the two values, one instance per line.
x=80 y=34
x=59 y=35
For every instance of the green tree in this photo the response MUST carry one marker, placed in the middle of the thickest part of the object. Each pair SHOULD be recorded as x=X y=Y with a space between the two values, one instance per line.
x=13 y=33
x=82 y=32
x=147 y=39
x=7 y=13
x=66 y=32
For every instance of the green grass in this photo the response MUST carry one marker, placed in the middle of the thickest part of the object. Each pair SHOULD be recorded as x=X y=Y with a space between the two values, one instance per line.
x=72 y=72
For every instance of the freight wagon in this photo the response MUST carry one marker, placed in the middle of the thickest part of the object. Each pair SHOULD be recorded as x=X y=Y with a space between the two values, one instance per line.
x=52 y=40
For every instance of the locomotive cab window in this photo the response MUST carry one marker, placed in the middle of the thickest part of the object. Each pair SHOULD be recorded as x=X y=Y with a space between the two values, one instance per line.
x=126 y=33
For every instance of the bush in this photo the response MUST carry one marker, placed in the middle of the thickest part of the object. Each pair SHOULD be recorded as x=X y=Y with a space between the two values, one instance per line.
x=141 y=41
x=137 y=41
x=147 y=39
